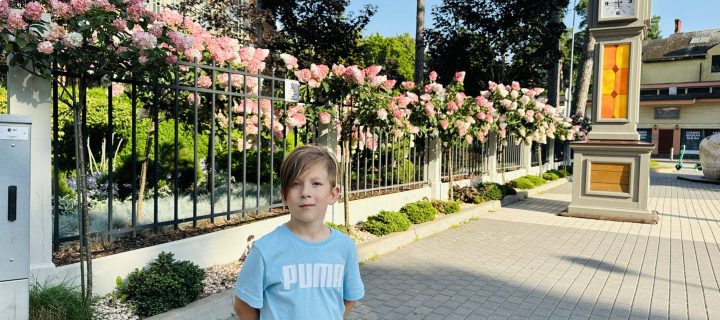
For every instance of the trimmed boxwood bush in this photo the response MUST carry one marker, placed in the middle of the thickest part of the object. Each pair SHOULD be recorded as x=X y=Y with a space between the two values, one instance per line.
x=522 y=183
x=165 y=284
x=419 y=212
x=387 y=222
x=537 y=181
x=560 y=173
x=490 y=191
x=550 y=176
x=3 y=100
x=337 y=227
x=446 y=207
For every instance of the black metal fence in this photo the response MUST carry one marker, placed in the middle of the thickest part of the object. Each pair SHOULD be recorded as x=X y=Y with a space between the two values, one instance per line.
x=469 y=160
x=512 y=157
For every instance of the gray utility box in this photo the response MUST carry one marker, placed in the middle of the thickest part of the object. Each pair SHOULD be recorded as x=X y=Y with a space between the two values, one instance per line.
x=14 y=216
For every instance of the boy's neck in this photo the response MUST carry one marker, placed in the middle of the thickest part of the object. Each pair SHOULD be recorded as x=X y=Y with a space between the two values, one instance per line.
x=315 y=232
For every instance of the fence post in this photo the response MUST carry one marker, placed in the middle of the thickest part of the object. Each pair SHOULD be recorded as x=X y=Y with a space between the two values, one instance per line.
x=327 y=136
x=434 y=165
x=550 y=154
x=526 y=157
x=492 y=159
x=30 y=95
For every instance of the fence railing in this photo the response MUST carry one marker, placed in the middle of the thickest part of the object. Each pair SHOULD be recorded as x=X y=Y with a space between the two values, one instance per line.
x=512 y=157
x=172 y=153
x=534 y=161
x=205 y=147
x=468 y=160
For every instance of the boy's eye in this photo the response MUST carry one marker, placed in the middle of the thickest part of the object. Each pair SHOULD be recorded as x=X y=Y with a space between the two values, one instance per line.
x=317 y=183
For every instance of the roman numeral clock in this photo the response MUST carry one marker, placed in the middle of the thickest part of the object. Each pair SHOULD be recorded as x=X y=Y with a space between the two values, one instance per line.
x=611 y=170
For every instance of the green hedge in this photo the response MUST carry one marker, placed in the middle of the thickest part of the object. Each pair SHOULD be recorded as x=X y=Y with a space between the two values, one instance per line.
x=387 y=222
x=165 y=284
x=3 y=100
x=337 y=227
x=550 y=176
x=446 y=207
x=419 y=212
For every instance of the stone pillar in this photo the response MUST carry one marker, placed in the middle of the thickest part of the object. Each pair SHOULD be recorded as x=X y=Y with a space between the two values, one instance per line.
x=30 y=95
x=434 y=173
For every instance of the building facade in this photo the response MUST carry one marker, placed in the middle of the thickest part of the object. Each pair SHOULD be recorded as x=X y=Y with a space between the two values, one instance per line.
x=680 y=91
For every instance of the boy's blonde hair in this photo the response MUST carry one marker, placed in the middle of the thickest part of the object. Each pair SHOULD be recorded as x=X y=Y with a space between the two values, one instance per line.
x=301 y=159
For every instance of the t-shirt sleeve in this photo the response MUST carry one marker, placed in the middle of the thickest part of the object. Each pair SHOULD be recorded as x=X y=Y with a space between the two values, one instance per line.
x=353 y=288
x=250 y=284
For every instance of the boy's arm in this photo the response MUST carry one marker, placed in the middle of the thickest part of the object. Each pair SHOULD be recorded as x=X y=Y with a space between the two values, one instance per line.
x=245 y=311
x=348 y=307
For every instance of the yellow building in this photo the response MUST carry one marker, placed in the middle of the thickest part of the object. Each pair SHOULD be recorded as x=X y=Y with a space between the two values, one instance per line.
x=680 y=90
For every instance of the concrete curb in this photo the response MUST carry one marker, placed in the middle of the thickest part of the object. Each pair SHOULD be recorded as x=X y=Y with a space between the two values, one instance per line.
x=219 y=305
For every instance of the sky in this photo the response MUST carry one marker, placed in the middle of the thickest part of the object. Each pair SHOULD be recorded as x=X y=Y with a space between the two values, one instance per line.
x=395 y=17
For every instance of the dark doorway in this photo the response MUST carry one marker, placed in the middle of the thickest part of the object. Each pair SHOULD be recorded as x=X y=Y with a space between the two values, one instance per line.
x=665 y=141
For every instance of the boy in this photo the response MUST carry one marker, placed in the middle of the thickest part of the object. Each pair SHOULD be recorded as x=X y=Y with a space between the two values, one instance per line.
x=303 y=269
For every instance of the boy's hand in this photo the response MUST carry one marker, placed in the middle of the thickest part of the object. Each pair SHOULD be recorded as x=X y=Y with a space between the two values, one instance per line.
x=348 y=307
x=245 y=311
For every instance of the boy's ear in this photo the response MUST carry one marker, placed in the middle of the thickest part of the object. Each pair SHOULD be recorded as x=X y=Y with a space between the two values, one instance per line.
x=335 y=192
x=282 y=196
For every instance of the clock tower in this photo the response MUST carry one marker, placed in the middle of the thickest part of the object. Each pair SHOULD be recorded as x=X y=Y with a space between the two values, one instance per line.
x=612 y=168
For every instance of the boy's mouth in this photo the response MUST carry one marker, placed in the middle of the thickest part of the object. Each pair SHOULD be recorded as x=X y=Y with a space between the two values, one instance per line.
x=306 y=205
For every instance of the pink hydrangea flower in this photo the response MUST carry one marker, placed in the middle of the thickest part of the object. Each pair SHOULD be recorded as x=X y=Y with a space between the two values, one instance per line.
x=372 y=71
x=433 y=76
x=33 y=11
x=303 y=75
x=459 y=77
x=171 y=17
x=206 y=82
x=291 y=63
x=45 y=47
x=325 y=117
x=15 y=22
x=515 y=85
x=408 y=85
x=382 y=114
x=4 y=9
x=144 y=40
x=80 y=6
x=444 y=124
x=338 y=70
x=387 y=85
x=117 y=89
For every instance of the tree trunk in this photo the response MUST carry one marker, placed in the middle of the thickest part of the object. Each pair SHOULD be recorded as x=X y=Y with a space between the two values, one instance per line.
x=540 y=160
x=143 y=171
x=585 y=76
x=555 y=68
x=85 y=248
x=419 y=42
x=501 y=155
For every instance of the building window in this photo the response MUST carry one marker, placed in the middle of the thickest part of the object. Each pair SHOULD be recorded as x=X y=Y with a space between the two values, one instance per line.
x=667 y=113
x=715 y=64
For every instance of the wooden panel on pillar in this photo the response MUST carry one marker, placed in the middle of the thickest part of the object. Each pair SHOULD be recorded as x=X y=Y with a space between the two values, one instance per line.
x=610 y=177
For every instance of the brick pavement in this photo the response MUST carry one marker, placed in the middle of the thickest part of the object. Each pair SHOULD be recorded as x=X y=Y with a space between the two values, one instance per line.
x=525 y=262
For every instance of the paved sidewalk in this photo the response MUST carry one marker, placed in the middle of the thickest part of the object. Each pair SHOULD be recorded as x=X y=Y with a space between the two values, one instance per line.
x=524 y=262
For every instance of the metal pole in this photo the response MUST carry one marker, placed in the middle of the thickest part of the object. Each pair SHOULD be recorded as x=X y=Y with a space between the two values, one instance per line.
x=568 y=98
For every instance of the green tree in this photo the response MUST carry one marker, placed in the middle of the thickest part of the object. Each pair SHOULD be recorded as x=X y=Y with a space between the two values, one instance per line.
x=395 y=54
x=653 y=31
x=317 y=31
x=495 y=40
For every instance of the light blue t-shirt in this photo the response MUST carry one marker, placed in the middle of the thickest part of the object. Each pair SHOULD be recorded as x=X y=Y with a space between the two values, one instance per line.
x=287 y=277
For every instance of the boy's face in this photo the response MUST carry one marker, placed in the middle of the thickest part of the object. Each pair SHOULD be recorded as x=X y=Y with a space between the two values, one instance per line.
x=310 y=194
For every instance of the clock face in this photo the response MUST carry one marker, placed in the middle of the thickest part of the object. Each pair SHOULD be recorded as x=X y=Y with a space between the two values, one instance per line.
x=617 y=9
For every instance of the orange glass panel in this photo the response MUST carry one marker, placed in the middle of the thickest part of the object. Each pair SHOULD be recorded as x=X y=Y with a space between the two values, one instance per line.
x=615 y=73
